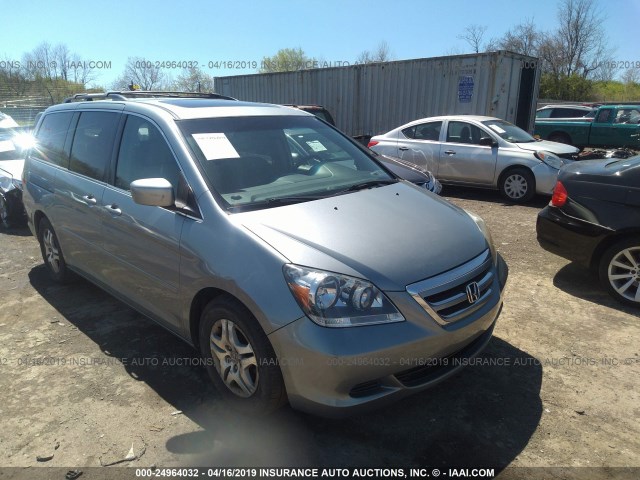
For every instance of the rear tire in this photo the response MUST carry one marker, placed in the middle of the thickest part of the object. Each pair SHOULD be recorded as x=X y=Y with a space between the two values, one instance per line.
x=518 y=185
x=619 y=271
x=52 y=253
x=240 y=359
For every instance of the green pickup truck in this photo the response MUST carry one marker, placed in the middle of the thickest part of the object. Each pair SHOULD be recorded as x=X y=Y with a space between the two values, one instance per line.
x=612 y=126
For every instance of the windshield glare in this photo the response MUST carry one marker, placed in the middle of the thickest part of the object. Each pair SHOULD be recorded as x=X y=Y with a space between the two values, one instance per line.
x=251 y=162
x=509 y=132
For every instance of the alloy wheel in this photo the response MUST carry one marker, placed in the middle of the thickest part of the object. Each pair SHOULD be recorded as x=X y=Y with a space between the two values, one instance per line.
x=234 y=358
x=624 y=273
x=52 y=252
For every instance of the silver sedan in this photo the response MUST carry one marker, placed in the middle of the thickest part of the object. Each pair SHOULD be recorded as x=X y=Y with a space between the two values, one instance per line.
x=479 y=152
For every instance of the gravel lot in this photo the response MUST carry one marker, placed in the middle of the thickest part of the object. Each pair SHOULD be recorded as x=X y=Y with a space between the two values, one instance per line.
x=558 y=385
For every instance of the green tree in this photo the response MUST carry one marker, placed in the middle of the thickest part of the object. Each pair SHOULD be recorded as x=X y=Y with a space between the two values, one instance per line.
x=287 y=60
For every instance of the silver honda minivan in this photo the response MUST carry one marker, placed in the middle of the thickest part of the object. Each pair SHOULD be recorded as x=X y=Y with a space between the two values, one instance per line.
x=300 y=267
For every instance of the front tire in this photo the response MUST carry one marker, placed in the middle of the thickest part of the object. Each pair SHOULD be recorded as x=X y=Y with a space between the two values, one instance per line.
x=518 y=185
x=620 y=271
x=52 y=253
x=240 y=359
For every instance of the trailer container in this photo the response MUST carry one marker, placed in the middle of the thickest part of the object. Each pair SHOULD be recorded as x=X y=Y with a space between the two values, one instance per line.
x=370 y=99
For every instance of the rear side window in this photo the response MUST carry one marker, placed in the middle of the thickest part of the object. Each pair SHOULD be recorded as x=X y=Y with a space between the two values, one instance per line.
x=144 y=153
x=51 y=136
x=93 y=143
x=428 y=131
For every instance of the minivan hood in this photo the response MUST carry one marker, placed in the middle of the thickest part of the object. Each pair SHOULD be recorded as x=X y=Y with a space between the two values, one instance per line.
x=393 y=235
x=546 y=145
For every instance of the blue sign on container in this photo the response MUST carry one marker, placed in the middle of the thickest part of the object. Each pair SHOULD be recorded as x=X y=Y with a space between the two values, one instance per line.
x=465 y=89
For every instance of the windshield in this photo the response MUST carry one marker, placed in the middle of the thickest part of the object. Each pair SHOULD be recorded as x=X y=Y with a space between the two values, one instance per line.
x=509 y=132
x=258 y=162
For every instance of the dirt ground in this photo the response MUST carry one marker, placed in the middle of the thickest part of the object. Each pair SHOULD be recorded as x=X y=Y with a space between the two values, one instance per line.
x=85 y=379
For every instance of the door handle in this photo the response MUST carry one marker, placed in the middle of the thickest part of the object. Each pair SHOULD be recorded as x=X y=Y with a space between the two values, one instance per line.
x=449 y=152
x=90 y=199
x=404 y=149
x=114 y=209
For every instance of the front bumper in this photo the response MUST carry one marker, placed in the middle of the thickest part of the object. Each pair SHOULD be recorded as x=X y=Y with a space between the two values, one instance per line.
x=568 y=237
x=339 y=371
x=546 y=178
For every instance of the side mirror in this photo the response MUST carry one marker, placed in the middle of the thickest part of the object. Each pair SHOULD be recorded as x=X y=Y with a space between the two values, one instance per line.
x=155 y=192
x=488 y=142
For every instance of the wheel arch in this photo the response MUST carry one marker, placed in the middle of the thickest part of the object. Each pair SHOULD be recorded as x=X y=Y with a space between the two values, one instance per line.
x=517 y=166
x=200 y=301
x=610 y=240
x=561 y=133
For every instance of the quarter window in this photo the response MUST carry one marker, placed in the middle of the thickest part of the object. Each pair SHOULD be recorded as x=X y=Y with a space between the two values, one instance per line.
x=93 y=143
x=51 y=136
x=428 y=131
x=144 y=153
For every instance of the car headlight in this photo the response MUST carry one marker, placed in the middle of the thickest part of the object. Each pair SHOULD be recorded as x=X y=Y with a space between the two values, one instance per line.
x=334 y=300
x=550 y=159
x=487 y=234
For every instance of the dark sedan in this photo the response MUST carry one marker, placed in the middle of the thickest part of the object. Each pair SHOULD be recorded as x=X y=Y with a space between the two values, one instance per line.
x=594 y=219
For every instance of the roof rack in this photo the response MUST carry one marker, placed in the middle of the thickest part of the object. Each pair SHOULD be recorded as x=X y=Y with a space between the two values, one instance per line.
x=128 y=94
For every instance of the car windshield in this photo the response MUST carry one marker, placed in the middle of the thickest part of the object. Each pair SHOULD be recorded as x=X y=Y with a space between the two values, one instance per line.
x=509 y=132
x=265 y=161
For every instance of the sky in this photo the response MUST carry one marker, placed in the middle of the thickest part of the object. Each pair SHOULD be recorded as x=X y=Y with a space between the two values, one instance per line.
x=243 y=32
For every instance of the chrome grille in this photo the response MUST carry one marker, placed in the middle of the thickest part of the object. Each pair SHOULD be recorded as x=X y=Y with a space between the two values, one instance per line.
x=445 y=296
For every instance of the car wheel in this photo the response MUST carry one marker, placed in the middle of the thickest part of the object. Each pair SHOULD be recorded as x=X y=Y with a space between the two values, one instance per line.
x=518 y=185
x=240 y=359
x=620 y=271
x=560 y=138
x=52 y=253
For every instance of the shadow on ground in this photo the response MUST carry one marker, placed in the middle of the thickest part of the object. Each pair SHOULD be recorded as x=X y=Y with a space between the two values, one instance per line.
x=583 y=283
x=491 y=196
x=16 y=231
x=484 y=416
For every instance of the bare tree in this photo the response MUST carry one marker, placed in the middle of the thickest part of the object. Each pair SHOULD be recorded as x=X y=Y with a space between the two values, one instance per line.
x=631 y=76
x=143 y=74
x=523 y=39
x=193 y=80
x=474 y=35
x=581 y=36
x=382 y=53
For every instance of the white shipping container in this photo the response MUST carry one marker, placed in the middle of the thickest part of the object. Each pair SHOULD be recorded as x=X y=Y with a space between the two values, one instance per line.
x=370 y=99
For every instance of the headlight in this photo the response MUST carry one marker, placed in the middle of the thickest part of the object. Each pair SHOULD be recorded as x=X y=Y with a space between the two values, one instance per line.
x=487 y=234
x=334 y=300
x=550 y=159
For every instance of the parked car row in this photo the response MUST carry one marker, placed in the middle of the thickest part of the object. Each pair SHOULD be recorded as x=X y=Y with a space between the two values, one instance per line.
x=260 y=234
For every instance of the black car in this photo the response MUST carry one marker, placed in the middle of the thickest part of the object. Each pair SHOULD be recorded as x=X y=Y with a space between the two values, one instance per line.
x=594 y=219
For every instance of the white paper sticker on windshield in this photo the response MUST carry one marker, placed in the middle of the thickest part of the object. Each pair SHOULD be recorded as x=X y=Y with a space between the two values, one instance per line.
x=316 y=146
x=215 y=146
x=7 y=146
x=497 y=128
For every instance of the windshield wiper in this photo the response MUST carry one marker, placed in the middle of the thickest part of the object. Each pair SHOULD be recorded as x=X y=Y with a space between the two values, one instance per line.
x=365 y=185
